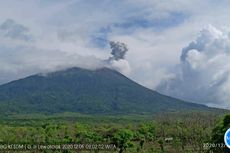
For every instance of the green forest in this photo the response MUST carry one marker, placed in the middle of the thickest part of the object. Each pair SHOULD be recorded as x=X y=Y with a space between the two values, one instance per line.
x=187 y=132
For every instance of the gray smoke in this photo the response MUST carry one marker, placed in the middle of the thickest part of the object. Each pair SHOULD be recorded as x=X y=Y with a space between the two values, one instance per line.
x=118 y=61
x=118 y=50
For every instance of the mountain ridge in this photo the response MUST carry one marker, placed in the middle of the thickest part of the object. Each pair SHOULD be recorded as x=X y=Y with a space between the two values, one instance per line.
x=99 y=91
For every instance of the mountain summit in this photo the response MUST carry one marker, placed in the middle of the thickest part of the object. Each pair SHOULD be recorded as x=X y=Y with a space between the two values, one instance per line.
x=101 y=91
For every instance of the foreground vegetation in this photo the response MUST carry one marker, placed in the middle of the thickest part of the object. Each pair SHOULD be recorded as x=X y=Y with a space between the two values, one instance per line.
x=173 y=133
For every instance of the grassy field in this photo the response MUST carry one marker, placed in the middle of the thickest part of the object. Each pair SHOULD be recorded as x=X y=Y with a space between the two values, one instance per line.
x=173 y=133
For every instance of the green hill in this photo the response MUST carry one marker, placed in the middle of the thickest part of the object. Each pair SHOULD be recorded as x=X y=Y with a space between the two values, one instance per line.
x=102 y=91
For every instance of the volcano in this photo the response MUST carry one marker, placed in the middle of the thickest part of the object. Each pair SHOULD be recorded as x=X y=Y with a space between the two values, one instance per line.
x=101 y=91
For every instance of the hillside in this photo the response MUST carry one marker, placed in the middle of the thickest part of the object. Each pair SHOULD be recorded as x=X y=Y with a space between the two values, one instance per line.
x=102 y=91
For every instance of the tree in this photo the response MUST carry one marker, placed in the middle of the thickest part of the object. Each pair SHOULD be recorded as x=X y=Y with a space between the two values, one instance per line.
x=85 y=134
x=146 y=132
x=218 y=135
x=122 y=139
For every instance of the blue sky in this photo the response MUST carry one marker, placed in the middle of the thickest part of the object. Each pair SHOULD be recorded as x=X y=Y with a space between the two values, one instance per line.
x=46 y=35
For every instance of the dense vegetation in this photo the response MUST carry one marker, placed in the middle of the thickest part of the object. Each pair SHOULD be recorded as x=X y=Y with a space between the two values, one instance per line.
x=103 y=91
x=173 y=133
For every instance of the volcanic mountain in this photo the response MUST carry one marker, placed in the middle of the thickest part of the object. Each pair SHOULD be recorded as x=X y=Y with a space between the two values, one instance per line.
x=101 y=91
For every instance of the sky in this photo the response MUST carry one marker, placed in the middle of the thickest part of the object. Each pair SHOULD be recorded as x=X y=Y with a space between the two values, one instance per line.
x=179 y=48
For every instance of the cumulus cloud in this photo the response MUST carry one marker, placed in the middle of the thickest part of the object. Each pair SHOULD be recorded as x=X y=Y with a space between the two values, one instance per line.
x=203 y=75
x=77 y=33
x=68 y=29
x=19 y=57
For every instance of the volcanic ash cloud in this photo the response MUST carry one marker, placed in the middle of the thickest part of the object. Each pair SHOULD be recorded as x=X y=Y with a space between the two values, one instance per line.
x=203 y=75
x=118 y=61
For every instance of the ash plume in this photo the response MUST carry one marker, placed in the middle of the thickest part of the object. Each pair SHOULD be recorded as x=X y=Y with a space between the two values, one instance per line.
x=118 y=61
x=119 y=50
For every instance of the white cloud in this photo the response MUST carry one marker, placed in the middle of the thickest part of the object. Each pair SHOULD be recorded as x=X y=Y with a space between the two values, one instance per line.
x=67 y=32
x=121 y=66
x=204 y=70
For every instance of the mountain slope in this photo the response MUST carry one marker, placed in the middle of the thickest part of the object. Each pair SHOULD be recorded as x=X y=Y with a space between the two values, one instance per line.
x=102 y=91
